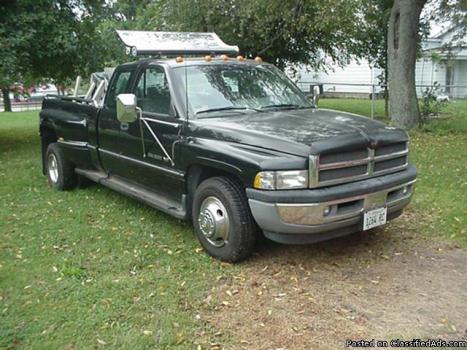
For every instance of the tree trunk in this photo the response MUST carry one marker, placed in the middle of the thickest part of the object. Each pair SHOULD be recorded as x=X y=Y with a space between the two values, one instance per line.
x=386 y=102
x=402 y=55
x=386 y=90
x=6 y=99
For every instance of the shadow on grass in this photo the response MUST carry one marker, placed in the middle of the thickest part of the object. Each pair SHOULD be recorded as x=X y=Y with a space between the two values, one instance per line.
x=389 y=238
x=266 y=251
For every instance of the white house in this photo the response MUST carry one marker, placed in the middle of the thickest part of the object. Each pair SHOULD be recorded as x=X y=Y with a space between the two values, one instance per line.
x=356 y=78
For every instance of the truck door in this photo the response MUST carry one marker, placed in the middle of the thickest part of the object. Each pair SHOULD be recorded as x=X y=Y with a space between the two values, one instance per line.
x=149 y=145
x=110 y=134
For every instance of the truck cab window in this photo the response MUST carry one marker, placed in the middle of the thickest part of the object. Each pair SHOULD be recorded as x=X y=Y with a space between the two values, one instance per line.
x=119 y=87
x=153 y=92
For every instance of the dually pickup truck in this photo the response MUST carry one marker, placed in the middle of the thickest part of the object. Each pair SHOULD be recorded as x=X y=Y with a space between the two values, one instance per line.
x=233 y=145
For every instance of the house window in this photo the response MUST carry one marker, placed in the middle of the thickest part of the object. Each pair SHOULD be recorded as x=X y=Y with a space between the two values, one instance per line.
x=449 y=78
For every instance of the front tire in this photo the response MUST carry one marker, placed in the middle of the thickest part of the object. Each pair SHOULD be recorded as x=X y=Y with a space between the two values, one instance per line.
x=222 y=220
x=60 y=172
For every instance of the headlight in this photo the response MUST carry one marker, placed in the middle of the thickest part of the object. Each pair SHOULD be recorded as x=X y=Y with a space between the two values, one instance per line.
x=281 y=180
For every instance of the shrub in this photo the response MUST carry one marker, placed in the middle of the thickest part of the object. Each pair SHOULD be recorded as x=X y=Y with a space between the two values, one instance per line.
x=430 y=103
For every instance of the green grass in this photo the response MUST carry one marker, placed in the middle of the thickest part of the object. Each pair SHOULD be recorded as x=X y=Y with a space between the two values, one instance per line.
x=453 y=116
x=357 y=106
x=82 y=268
x=453 y=120
x=90 y=268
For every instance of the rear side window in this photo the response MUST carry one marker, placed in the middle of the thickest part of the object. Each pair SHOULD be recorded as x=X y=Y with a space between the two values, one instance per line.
x=119 y=86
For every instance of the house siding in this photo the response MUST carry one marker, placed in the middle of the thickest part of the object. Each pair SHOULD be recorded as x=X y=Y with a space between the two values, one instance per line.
x=427 y=72
x=356 y=72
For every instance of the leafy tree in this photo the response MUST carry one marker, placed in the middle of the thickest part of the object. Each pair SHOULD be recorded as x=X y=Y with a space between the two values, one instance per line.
x=48 y=39
x=279 y=31
x=453 y=12
x=374 y=37
x=13 y=48
x=60 y=39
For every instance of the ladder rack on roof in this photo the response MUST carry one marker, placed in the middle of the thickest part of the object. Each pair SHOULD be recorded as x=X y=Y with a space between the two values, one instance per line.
x=173 y=43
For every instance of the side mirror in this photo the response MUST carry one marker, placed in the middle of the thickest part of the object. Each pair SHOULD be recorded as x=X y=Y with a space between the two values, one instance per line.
x=126 y=108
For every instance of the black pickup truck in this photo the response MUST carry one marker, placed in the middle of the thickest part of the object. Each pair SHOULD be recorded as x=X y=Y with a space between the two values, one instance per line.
x=233 y=145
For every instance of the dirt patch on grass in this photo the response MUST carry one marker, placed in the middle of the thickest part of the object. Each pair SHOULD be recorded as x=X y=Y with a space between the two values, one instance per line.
x=384 y=284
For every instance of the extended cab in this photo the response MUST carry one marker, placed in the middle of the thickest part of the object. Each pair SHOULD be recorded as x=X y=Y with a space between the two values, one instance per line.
x=234 y=146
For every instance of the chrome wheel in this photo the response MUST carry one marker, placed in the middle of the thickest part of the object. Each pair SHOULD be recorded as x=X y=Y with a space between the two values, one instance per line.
x=213 y=221
x=52 y=166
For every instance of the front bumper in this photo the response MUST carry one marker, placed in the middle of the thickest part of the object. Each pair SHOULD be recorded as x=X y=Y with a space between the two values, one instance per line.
x=306 y=216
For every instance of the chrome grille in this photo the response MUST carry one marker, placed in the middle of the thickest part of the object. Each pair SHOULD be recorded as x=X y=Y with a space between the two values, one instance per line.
x=342 y=167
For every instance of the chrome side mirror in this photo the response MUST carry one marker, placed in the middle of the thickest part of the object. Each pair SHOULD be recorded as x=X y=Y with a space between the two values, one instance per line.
x=126 y=108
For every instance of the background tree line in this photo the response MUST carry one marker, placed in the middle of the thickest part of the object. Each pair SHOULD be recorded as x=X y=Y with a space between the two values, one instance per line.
x=60 y=39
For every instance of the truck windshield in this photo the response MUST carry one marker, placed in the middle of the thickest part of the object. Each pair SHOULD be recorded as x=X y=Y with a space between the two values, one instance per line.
x=238 y=87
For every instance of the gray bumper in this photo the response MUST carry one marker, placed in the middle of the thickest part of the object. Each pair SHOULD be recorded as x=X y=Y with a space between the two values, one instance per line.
x=329 y=212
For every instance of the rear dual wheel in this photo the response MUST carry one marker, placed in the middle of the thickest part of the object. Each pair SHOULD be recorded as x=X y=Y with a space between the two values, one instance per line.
x=60 y=172
x=222 y=220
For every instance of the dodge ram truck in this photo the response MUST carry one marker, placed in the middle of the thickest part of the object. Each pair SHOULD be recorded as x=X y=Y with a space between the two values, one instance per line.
x=233 y=145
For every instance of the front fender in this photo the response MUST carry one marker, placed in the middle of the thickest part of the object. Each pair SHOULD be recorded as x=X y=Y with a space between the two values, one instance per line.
x=242 y=161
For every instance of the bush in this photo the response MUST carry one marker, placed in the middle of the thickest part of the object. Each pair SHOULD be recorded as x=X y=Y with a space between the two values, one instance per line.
x=430 y=103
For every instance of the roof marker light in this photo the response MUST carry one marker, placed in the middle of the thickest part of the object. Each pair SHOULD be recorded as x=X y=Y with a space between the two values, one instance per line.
x=258 y=59
x=240 y=58
x=208 y=58
x=225 y=57
x=179 y=59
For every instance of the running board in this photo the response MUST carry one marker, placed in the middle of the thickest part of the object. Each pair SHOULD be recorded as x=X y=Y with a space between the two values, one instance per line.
x=94 y=175
x=153 y=199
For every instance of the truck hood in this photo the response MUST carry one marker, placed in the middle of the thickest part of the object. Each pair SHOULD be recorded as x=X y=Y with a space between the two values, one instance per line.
x=298 y=132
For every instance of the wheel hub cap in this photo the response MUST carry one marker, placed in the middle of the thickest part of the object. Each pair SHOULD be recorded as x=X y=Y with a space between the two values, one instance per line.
x=52 y=166
x=213 y=221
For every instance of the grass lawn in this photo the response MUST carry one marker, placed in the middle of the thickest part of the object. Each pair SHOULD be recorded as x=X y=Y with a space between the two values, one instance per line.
x=357 y=106
x=454 y=115
x=90 y=268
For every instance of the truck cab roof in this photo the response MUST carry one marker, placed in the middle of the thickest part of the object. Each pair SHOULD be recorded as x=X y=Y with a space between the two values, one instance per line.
x=180 y=61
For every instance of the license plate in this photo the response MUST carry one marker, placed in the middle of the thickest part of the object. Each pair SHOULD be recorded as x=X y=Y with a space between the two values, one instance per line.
x=374 y=218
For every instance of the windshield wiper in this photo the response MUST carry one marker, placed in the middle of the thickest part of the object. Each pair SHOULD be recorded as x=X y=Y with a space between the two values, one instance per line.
x=284 y=105
x=227 y=108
